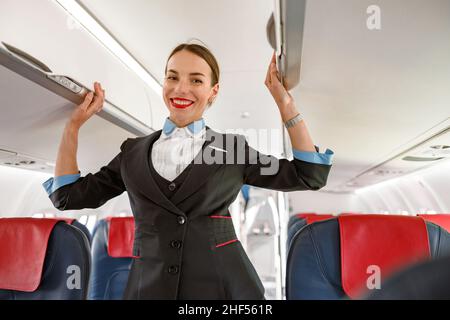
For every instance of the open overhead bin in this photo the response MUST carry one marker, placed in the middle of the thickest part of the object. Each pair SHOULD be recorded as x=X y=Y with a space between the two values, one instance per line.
x=45 y=31
x=285 y=35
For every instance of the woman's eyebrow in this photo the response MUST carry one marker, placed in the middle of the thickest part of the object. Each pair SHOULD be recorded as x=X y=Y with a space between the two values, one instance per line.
x=191 y=74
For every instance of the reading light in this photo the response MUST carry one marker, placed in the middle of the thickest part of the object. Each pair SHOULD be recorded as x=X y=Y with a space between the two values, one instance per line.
x=91 y=25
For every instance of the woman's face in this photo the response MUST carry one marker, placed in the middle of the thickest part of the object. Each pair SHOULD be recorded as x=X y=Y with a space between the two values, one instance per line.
x=187 y=87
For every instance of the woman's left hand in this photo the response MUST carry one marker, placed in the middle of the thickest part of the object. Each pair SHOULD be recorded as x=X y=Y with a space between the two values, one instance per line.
x=279 y=93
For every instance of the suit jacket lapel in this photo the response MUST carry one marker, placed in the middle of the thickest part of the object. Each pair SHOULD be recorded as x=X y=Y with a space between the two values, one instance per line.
x=201 y=170
x=197 y=176
x=138 y=167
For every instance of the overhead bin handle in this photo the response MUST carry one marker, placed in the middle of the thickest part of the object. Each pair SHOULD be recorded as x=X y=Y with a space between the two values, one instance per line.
x=27 y=57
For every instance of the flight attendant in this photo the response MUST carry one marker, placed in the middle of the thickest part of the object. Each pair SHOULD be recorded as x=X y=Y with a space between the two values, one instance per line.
x=182 y=179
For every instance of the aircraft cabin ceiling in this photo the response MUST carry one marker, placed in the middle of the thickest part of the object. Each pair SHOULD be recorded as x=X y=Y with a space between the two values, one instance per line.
x=364 y=93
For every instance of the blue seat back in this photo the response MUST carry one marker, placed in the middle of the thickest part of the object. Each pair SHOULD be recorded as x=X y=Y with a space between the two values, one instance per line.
x=66 y=269
x=109 y=275
x=294 y=227
x=84 y=229
x=313 y=268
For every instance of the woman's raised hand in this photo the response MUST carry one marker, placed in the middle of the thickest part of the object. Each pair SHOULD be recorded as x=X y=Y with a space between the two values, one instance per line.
x=93 y=103
x=279 y=93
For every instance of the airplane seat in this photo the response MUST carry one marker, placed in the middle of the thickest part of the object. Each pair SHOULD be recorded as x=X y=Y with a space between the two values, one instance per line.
x=79 y=225
x=294 y=218
x=442 y=220
x=84 y=229
x=424 y=281
x=112 y=246
x=439 y=240
x=338 y=258
x=302 y=220
x=293 y=229
x=43 y=259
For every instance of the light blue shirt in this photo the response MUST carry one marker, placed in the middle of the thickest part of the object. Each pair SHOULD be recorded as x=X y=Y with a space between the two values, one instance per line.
x=53 y=184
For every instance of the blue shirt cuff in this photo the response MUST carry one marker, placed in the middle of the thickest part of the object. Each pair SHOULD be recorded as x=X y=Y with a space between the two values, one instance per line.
x=53 y=184
x=314 y=157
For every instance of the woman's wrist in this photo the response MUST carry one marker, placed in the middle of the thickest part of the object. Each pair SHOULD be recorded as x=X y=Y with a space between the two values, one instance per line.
x=288 y=111
x=72 y=127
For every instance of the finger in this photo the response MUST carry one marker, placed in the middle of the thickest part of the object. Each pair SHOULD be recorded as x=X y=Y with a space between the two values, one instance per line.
x=271 y=65
x=99 y=109
x=273 y=58
x=87 y=100
x=96 y=104
x=267 y=81
x=102 y=90
x=274 y=74
x=103 y=99
x=98 y=90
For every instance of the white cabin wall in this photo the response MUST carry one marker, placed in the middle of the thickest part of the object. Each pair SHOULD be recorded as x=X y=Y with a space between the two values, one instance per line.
x=323 y=203
x=22 y=195
x=425 y=191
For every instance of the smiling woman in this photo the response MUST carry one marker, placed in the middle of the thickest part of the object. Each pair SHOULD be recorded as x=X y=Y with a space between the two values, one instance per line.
x=185 y=245
x=191 y=83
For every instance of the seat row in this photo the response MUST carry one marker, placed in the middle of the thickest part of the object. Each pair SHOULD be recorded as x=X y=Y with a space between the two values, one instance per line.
x=352 y=255
x=328 y=257
x=57 y=259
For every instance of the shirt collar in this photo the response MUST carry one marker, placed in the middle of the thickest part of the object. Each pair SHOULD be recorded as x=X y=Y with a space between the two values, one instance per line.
x=193 y=128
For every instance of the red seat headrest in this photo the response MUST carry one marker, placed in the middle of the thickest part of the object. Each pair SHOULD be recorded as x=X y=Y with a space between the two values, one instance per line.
x=313 y=217
x=67 y=220
x=23 y=246
x=120 y=237
x=378 y=242
x=442 y=220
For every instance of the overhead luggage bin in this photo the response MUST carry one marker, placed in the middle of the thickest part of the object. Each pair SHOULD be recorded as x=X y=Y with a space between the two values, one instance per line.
x=68 y=89
x=35 y=109
x=285 y=35
x=50 y=34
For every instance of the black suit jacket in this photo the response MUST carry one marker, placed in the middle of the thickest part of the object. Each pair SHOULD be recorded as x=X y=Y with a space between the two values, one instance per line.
x=204 y=264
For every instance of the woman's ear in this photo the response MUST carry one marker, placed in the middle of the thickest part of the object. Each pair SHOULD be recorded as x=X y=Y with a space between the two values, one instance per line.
x=215 y=90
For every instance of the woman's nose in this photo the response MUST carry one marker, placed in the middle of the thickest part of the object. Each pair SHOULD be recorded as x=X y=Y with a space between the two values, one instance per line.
x=181 y=86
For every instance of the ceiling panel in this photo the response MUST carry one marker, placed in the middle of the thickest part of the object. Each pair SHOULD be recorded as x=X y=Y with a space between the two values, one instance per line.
x=363 y=92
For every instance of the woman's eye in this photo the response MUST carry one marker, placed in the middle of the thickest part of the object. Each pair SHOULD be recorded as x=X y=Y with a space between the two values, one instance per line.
x=199 y=81
x=170 y=78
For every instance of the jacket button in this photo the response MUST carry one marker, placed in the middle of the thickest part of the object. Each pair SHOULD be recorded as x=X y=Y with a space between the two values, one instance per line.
x=181 y=220
x=175 y=244
x=172 y=186
x=173 y=269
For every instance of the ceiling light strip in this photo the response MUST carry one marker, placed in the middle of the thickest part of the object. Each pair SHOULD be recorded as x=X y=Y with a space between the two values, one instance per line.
x=91 y=25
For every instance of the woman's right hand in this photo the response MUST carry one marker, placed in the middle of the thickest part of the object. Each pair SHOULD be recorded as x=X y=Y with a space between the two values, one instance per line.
x=92 y=103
